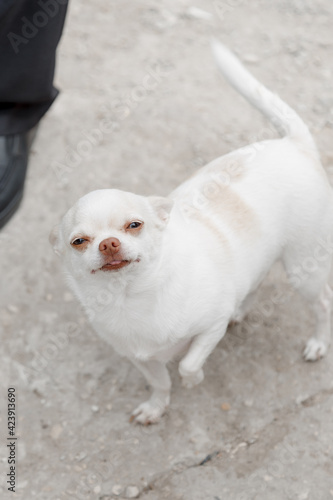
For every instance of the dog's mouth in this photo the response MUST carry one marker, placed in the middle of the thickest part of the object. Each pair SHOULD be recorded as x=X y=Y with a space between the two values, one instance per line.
x=114 y=264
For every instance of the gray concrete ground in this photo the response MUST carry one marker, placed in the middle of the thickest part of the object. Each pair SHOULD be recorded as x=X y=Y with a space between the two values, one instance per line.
x=260 y=426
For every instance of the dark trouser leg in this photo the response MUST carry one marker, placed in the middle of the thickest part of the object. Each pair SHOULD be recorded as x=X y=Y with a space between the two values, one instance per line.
x=29 y=33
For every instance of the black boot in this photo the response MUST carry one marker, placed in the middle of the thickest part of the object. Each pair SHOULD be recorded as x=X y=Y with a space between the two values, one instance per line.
x=14 y=153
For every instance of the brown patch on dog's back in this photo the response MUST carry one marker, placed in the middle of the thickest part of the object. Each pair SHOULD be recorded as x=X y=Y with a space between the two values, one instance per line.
x=213 y=198
x=223 y=201
x=233 y=210
x=226 y=207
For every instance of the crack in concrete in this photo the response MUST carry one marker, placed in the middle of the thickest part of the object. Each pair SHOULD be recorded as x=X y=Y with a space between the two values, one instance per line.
x=317 y=397
x=233 y=447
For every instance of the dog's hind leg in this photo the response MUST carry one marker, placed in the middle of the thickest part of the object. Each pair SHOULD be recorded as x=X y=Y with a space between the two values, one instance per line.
x=317 y=345
x=310 y=278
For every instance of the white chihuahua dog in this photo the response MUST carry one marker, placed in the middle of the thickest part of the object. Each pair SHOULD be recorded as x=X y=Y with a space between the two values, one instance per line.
x=173 y=272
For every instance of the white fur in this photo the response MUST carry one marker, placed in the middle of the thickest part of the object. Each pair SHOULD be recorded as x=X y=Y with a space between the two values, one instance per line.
x=205 y=249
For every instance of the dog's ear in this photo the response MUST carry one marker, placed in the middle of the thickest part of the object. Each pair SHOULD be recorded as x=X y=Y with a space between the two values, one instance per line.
x=162 y=207
x=54 y=239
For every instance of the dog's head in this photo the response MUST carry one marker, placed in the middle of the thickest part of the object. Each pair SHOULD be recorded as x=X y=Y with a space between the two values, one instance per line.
x=111 y=231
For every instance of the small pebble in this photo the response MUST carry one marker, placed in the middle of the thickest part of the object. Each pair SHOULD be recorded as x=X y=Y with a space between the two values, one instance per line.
x=13 y=309
x=117 y=489
x=109 y=406
x=132 y=492
x=56 y=431
x=49 y=297
x=97 y=489
x=197 y=13
x=80 y=456
x=299 y=400
x=225 y=406
x=95 y=408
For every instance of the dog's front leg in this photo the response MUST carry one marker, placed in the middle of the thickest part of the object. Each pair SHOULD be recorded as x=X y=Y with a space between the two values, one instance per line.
x=157 y=376
x=190 y=367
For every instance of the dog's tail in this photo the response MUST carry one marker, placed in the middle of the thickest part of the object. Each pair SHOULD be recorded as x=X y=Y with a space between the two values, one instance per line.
x=284 y=119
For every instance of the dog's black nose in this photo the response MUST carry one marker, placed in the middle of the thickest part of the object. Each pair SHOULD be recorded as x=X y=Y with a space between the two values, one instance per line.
x=109 y=246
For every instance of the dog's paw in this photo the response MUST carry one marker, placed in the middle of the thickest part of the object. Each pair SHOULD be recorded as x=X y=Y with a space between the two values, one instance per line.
x=314 y=350
x=190 y=381
x=148 y=413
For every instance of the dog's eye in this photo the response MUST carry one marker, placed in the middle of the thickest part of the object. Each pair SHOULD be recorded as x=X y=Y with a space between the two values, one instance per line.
x=134 y=225
x=78 y=241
